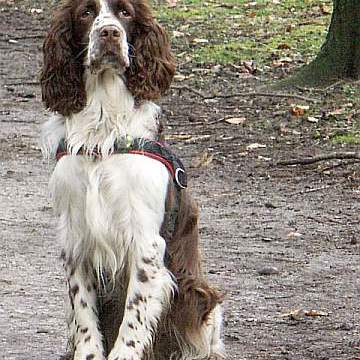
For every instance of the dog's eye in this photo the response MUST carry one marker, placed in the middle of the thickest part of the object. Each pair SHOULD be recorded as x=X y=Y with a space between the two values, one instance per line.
x=124 y=13
x=87 y=13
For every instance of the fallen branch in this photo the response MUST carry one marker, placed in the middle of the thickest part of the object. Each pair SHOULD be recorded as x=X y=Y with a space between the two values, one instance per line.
x=331 y=156
x=262 y=94
x=244 y=94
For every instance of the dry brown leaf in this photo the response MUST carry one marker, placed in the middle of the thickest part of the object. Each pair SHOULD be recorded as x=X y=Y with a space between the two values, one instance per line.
x=200 y=41
x=284 y=46
x=297 y=314
x=285 y=61
x=316 y=313
x=299 y=110
x=236 y=120
x=178 y=137
x=255 y=146
x=203 y=160
x=179 y=77
x=325 y=10
x=177 y=34
x=197 y=138
x=171 y=3
x=294 y=235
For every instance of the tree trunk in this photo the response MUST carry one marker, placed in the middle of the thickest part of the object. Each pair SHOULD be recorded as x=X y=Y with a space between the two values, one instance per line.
x=339 y=56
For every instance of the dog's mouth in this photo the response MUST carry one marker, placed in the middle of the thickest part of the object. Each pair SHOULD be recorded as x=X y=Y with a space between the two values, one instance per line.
x=108 y=59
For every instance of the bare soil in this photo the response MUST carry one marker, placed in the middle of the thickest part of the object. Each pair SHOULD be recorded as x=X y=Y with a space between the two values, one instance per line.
x=279 y=241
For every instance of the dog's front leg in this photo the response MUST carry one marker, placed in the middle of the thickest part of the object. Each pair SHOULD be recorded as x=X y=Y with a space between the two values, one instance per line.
x=148 y=294
x=84 y=332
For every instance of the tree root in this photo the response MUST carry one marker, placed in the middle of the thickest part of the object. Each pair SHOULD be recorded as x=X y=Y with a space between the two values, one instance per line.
x=244 y=94
x=341 y=155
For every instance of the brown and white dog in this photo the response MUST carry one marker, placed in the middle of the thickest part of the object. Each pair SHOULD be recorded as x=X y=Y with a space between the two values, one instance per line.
x=136 y=291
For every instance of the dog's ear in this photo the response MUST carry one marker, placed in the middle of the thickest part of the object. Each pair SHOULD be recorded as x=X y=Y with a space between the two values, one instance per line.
x=62 y=84
x=152 y=65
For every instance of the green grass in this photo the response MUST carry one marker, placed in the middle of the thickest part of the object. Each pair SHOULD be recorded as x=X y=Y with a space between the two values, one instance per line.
x=239 y=30
x=349 y=139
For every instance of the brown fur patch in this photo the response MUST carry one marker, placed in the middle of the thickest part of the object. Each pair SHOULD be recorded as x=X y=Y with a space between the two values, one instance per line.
x=142 y=276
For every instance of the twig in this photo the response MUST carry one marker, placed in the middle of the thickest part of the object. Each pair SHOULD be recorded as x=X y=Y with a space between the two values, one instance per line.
x=33 y=36
x=331 y=156
x=310 y=190
x=23 y=83
x=244 y=94
x=338 y=165
x=333 y=85
x=216 y=121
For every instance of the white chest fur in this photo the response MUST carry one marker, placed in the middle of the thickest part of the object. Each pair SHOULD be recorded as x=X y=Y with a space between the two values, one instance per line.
x=106 y=203
x=110 y=113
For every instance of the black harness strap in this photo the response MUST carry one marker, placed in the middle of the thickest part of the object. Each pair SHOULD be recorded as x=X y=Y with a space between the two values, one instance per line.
x=139 y=146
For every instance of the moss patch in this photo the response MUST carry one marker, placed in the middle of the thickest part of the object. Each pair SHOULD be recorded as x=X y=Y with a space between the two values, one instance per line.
x=228 y=31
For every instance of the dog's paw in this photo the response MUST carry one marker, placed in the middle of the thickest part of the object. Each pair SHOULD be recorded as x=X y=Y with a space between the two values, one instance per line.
x=123 y=354
x=88 y=356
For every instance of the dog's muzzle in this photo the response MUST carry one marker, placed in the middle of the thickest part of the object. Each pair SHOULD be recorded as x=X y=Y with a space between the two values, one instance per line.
x=108 y=49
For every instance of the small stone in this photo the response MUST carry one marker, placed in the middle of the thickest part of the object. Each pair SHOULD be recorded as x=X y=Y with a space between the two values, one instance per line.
x=268 y=270
x=270 y=205
x=345 y=327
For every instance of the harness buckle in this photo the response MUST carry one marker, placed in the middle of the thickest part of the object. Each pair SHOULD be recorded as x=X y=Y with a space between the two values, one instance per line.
x=180 y=178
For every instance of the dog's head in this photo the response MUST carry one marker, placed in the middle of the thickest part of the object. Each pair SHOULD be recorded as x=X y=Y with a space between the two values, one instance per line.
x=120 y=35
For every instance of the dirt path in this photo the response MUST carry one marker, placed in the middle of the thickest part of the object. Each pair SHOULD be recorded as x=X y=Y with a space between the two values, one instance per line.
x=303 y=221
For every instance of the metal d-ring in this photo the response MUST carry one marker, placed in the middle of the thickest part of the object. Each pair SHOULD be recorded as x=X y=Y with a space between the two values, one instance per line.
x=177 y=171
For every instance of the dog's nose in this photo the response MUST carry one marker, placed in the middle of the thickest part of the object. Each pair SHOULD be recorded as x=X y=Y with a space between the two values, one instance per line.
x=109 y=32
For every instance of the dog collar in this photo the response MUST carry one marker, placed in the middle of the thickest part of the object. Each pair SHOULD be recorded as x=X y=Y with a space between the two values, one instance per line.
x=139 y=146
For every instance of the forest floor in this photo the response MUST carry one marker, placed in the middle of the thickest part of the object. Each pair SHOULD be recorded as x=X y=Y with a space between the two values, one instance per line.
x=281 y=241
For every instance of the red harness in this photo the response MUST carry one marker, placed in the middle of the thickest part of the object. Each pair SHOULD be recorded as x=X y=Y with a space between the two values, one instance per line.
x=152 y=149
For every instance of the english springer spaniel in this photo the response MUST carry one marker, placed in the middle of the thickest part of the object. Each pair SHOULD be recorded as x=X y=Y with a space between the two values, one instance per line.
x=128 y=228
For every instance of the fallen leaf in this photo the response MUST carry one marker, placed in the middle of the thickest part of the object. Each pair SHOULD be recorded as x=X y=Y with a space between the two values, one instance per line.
x=294 y=234
x=236 y=120
x=297 y=314
x=177 y=34
x=299 y=110
x=179 y=77
x=312 y=119
x=216 y=68
x=264 y=158
x=36 y=11
x=284 y=46
x=255 y=146
x=200 y=41
x=316 y=313
x=285 y=61
x=335 y=112
x=178 y=137
x=196 y=138
x=325 y=10
x=171 y=3
x=203 y=160
x=250 y=66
